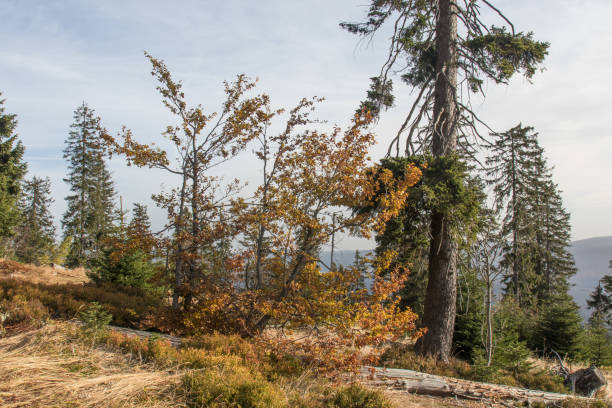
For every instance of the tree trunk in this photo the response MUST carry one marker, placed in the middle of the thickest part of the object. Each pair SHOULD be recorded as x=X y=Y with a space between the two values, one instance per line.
x=440 y=298
x=178 y=266
x=489 y=340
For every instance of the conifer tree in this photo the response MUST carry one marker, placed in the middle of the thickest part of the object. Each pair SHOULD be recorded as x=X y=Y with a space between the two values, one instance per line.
x=444 y=51
x=36 y=233
x=600 y=301
x=510 y=173
x=90 y=205
x=126 y=255
x=535 y=225
x=554 y=263
x=596 y=345
x=559 y=327
x=12 y=171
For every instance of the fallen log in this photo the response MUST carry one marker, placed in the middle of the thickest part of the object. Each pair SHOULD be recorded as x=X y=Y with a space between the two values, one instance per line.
x=428 y=384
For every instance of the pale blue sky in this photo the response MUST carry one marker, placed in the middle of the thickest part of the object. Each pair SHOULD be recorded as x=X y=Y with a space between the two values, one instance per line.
x=56 y=54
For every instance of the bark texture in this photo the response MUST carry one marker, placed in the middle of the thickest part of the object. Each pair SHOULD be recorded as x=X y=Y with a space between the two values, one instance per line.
x=440 y=298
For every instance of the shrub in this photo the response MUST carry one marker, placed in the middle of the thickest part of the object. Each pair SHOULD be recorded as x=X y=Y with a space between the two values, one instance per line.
x=129 y=306
x=357 y=396
x=401 y=356
x=16 y=309
x=581 y=403
x=224 y=345
x=559 y=327
x=95 y=319
x=237 y=387
x=132 y=269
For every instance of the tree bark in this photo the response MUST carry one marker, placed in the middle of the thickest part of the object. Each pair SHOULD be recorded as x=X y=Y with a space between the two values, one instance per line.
x=440 y=298
x=488 y=311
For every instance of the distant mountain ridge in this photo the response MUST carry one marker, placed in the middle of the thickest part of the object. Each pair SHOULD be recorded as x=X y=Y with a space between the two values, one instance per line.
x=592 y=256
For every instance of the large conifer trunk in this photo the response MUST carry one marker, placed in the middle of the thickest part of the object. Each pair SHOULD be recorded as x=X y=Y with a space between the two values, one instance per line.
x=440 y=299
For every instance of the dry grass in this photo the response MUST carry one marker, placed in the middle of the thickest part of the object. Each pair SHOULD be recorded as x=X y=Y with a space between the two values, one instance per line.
x=49 y=368
x=553 y=364
x=41 y=274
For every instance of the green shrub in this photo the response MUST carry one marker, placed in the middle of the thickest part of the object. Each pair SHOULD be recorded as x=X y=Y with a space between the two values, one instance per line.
x=133 y=269
x=95 y=319
x=238 y=387
x=559 y=326
x=542 y=380
x=357 y=396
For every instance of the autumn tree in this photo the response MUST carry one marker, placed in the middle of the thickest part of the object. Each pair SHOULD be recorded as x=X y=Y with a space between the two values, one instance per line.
x=198 y=208
x=35 y=239
x=89 y=215
x=444 y=51
x=243 y=264
x=312 y=176
x=12 y=171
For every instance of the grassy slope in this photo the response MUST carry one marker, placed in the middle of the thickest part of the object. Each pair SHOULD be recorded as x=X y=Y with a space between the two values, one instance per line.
x=55 y=365
x=51 y=367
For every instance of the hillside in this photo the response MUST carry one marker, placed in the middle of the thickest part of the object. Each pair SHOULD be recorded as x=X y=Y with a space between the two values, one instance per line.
x=48 y=363
x=55 y=366
x=592 y=258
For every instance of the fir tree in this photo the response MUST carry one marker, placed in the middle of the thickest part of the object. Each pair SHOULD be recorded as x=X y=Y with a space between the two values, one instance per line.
x=553 y=263
x=12 y=171
x=600 y=301
x=510 y=173
x=444 y=51
x=596 y=345
x=36 y=233
x=535 y=225
x=90 y=206
x=559 y=326
x=140 y=222
x=470 y=309
x=126 y=256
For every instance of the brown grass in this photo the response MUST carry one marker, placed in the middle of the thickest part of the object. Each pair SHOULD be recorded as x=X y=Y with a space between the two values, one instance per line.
x=49 y=368
x=41 y=274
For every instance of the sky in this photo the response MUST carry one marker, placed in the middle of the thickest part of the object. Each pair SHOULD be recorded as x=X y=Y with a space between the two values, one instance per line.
x=57 y=54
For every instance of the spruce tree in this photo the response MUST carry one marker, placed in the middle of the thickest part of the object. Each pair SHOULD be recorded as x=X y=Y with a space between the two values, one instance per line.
x=510 y=173
x=559 y=327
x=89 y=216
x=470 y=309
x=126 y=256
x=535 y=226
x=600 y=301
x=596 y=344
x=554 y=263
x=35 y=239
x=444 y=51
x=140 y=222
x=12 y=171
